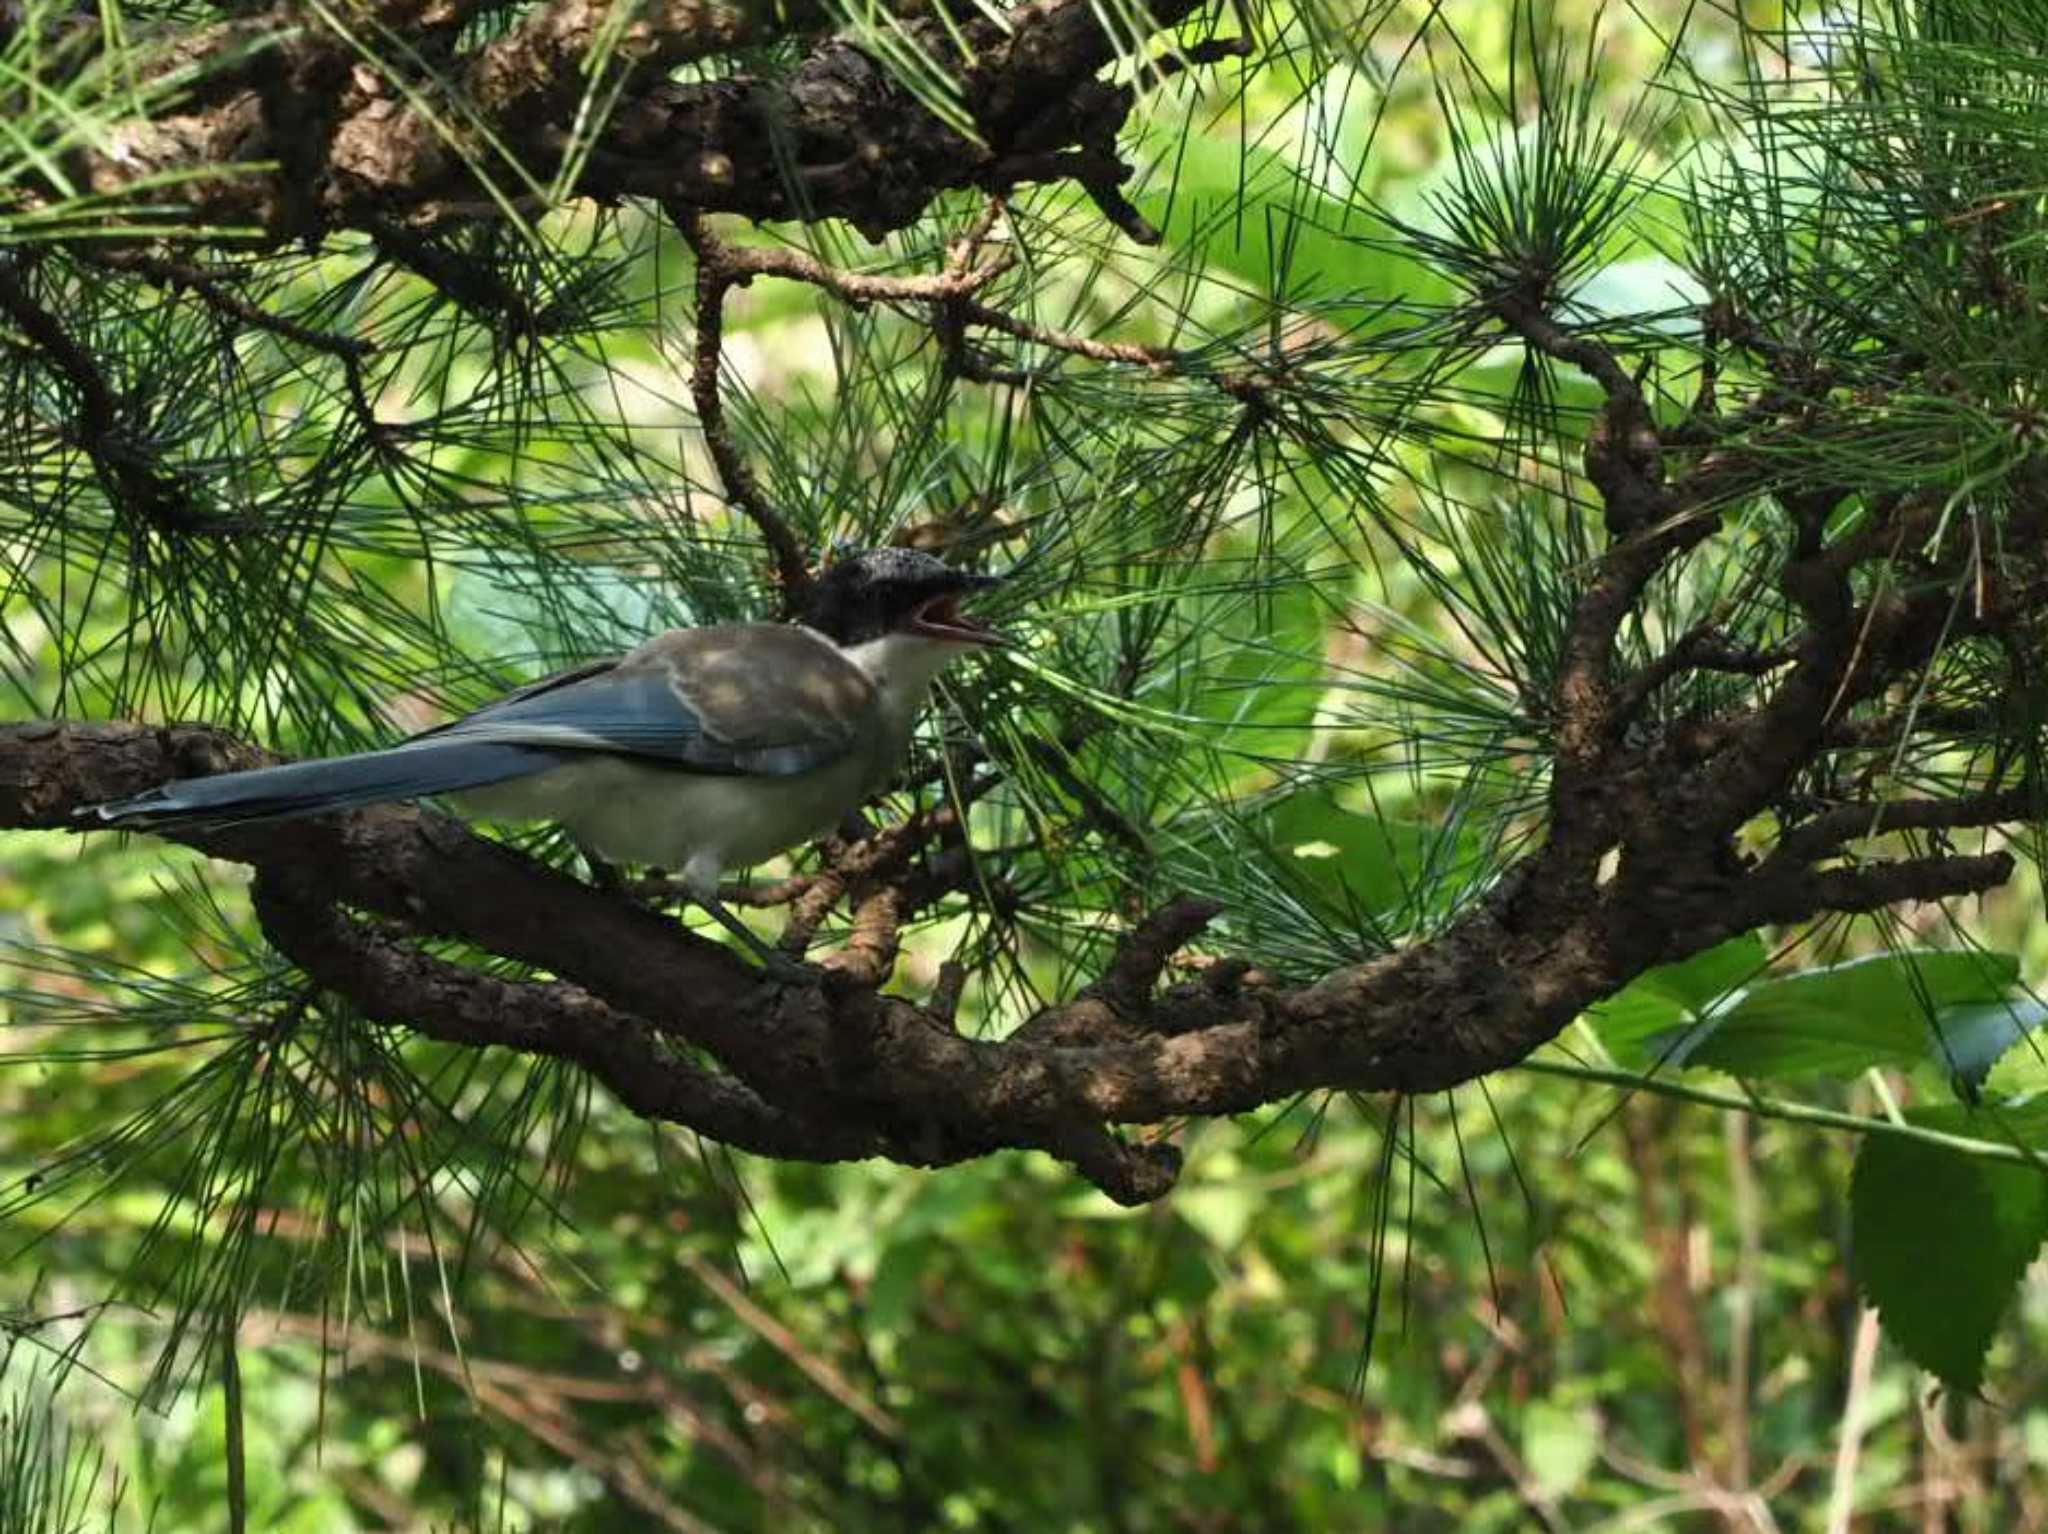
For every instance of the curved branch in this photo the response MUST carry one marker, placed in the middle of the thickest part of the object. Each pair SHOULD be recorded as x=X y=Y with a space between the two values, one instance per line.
x=351 y=145
x=1825 y=834
x=392 y=982
x=1505 y=978
x=718 y=273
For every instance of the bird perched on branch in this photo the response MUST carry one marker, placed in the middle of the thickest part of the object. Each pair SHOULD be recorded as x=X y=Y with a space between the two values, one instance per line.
x=703 y=749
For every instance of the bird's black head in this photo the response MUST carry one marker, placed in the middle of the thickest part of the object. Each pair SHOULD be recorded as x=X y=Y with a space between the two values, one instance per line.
x=896 y=591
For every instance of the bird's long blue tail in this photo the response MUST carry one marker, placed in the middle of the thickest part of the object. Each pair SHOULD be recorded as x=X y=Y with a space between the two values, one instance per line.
x=316 y=788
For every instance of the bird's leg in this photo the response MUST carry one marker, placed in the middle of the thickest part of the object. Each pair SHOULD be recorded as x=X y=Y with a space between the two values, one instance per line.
x=702 y=883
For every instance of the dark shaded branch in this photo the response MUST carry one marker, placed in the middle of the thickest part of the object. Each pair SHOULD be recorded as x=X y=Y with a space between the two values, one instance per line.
x=1590 y=356
x=472 y=285
x=1847 y=652
x=1824 y=835
x=147 y=493
x=838 y=136
x=1650 y=524
x=1883 y=732
x=1120 y=1004
x=717 y=272
x=1129 y=1174
x=394 y=983
x=1704 y=648
x=1142 y=954
x=1210 y=50
x=1875 y=886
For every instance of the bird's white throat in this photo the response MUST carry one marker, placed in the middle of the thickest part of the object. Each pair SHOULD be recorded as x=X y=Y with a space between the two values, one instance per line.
x=903 y=668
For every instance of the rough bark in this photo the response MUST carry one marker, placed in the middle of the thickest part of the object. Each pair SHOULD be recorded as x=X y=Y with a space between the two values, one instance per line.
x=292 y=128
x=843 y=1069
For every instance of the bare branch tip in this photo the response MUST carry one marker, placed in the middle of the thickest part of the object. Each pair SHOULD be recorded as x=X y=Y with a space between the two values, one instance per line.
x=1127 y=1174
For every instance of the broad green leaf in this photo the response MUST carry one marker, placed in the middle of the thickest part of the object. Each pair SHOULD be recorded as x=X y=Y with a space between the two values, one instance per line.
x=1644 y=1024
x=1940 y=1243
x=1972 y=1038
x=1354 y=861
x=1839 y=1021
x=2021 y=1071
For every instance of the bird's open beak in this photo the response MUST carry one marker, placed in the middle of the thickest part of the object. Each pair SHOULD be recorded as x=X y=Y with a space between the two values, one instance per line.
x=941 y=617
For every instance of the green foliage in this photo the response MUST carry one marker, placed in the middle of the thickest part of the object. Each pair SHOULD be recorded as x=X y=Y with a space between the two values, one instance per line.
x=1948 y=1015
x=1891 y=1009
x=1940 y=1242
x=1301 y=662
x=53 y=1478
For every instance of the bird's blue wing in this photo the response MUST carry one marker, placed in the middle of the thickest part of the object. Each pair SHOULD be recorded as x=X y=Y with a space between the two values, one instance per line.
x=744 y=700
x=741 y=700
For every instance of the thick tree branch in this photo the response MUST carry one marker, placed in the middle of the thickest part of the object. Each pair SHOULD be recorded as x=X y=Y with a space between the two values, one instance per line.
x=394 y=983
x=1650 y=524
x=1875 y=886
x=538 y=67
x=828 y=1071
x=1119 y=1005
x=356 y=144
x=826 y=1065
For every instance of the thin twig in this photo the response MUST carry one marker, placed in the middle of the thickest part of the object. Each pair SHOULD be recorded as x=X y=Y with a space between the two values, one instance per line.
x=1156 y=359
x=718 y=271
x=348 y=350
x=1784 y=1111
x=1701 y=649
x=160 y=497
x=822 y=1372
x=953 y=289
x=1825 y=834
x=1862 y=1360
